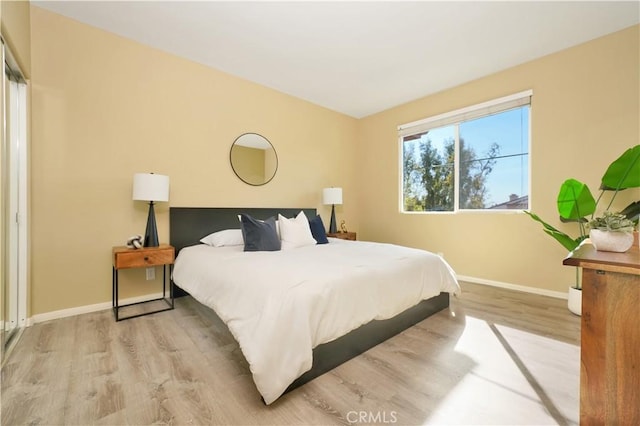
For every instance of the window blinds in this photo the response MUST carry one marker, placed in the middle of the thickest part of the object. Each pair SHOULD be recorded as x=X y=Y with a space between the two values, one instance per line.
x=466 y=114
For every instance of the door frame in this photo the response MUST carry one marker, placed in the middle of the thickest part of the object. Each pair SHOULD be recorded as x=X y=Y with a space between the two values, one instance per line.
x=15 y=196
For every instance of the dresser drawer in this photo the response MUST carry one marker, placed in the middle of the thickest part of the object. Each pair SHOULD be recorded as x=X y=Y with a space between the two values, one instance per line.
x=351 y=236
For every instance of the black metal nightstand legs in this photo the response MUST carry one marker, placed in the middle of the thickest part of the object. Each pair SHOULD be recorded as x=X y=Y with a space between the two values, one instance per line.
x=116 y=304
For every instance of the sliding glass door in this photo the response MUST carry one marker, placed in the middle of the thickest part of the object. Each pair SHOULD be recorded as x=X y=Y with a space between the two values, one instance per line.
x=13 y=218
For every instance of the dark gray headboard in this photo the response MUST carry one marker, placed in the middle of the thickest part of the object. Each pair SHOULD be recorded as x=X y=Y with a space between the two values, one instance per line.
x=187 y=225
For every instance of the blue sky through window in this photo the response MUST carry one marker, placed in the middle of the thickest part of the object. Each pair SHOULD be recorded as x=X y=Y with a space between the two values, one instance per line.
x=510 y=130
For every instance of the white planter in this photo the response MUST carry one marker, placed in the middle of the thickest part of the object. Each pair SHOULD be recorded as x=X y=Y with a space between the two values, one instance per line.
x=611 y=241
x=575 y=301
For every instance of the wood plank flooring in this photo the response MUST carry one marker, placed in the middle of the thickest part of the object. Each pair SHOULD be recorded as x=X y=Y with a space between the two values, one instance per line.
x=495 y=357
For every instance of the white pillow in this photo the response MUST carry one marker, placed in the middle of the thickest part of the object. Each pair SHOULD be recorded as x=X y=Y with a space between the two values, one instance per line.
x=295 y=232
x=227 y=237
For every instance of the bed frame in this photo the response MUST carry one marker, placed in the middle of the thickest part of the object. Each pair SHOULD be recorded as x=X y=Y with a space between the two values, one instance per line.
x=189 y=224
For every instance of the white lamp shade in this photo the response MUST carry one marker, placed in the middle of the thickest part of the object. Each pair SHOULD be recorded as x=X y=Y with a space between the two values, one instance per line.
x=150 y=187
x=332 y=196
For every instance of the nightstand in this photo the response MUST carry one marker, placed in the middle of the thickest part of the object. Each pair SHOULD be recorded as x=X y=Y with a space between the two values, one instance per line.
x=343 y=235
x=125 y=257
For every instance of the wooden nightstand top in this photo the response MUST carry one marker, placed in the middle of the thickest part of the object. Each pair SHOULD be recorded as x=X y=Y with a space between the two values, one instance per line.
x=125 y=257
x=343 y=235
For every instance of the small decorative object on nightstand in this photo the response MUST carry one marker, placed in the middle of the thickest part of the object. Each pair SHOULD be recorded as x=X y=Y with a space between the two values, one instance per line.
x=125 y=257
x=351 y=236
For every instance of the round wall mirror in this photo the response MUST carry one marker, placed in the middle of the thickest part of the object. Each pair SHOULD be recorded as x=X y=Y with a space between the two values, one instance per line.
x=253 y=159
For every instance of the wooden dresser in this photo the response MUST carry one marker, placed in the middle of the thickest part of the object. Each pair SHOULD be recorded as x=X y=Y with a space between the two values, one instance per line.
x=610 y=335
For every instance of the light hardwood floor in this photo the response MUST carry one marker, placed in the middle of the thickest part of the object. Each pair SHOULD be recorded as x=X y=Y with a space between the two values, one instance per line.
x=495 y=357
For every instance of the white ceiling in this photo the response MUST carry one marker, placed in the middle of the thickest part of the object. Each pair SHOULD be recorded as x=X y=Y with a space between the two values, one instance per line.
x=357 y=58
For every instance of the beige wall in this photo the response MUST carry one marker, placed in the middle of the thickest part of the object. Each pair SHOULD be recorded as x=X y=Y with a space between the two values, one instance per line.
x=584 y=114
x=105 y=108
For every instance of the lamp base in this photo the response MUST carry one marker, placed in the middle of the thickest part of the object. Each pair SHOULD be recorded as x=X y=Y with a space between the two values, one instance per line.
x=151 y=234
x=332 y=226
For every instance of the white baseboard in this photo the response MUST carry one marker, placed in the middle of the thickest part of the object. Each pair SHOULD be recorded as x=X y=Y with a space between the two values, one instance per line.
x=63 y=313
x=517 y=287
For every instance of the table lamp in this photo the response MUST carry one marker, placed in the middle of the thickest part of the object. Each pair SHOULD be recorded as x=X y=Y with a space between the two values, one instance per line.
x=151 y=187
x=332 y=196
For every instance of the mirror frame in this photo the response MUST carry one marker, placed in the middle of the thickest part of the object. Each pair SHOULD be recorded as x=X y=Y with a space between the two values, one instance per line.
x=243 y=179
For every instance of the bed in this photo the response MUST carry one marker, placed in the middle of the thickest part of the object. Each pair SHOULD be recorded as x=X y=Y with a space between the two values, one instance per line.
x=299 y=313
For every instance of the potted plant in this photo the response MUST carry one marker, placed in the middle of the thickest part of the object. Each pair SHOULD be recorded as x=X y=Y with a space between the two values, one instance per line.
x=575 y=202
x=611 y=232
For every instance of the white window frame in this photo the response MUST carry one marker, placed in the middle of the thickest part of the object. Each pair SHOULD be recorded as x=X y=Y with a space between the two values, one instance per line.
x=458 y=116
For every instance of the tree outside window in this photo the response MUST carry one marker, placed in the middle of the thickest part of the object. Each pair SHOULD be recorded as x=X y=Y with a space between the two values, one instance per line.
x=490 y=173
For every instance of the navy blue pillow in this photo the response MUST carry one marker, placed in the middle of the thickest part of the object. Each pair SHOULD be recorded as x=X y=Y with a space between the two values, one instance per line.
x=259 y=235
x=317 y=230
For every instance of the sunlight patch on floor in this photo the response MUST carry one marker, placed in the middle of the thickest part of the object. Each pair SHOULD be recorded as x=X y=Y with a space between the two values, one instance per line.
x=518 y=379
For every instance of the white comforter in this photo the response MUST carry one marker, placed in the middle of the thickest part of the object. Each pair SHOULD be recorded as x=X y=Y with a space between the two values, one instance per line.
x=280 y=305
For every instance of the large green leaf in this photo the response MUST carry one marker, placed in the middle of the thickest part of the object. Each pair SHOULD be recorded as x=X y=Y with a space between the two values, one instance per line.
x=564 y=239
x=632 y=211
x=624 y=172
x=567 y=242
x=575 y=200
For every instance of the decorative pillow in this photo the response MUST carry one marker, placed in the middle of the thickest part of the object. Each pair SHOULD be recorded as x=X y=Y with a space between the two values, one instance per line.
x=277 y=226
x=227 y=237
x=318 y=230
x=259 y=235
x=295 y=232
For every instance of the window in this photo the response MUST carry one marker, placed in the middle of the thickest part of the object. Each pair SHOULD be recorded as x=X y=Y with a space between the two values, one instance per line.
x=476 y=158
